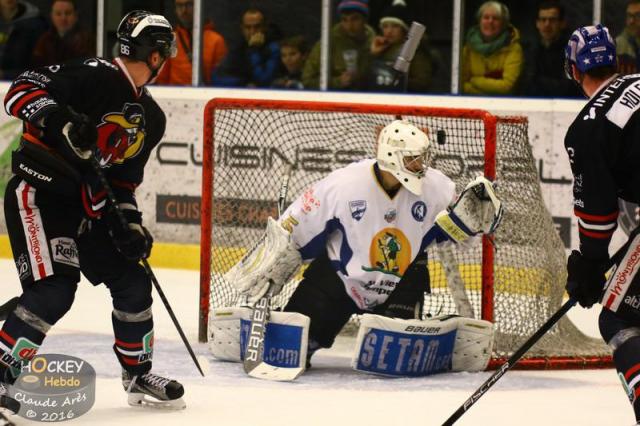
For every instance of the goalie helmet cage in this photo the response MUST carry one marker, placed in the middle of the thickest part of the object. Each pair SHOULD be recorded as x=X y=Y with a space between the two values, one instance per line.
x=248 y=143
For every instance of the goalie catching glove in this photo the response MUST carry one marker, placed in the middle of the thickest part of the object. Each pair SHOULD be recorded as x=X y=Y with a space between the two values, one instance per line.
x=477 y=210
x=270 y=263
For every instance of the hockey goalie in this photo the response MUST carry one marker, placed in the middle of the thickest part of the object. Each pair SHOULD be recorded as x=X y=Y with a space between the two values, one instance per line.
x=364 y=230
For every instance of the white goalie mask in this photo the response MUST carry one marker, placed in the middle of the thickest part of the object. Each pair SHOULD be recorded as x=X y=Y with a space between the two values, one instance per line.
x=403 y=150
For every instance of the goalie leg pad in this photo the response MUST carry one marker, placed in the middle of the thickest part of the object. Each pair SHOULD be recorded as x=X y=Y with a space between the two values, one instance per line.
x=286 y=336
x=286 y=339
x=414 y=348
x=224 y=332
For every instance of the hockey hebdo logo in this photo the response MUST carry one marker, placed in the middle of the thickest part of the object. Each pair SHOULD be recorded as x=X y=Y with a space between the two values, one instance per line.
x=54 y=388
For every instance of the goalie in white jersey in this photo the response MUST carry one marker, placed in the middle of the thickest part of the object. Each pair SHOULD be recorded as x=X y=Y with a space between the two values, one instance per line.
x=360 y=228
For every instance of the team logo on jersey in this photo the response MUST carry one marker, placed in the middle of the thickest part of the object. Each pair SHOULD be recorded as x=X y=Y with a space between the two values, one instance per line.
x=419 y=210
x=357 y=208
x=121 y=135
x=390 y=215
x=389 y=252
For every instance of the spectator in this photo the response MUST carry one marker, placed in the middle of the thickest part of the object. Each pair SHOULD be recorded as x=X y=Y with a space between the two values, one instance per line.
x=492 y=56
x=545 y=61
x=293 y=53
x=20 y=27
x=256 y=62
x=628 y=43
x=385 y=49
x=178 y=70
x=65 y=39
x=349 y=58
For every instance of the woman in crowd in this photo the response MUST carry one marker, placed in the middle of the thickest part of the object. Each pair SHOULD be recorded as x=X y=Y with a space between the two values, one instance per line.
x=492 y=56
x=65 y=39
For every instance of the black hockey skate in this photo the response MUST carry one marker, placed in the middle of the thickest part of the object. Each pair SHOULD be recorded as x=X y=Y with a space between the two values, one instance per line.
x=153 y=391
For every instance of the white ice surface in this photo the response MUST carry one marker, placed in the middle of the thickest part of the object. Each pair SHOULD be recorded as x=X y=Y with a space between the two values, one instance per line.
x=330 y=394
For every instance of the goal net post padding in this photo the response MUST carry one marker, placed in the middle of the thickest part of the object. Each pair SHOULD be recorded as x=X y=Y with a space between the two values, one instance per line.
x=516 y=282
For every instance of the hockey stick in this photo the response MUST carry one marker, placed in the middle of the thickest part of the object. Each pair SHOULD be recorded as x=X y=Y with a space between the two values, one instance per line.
x=615 y=259
x=123 y=222
x=455 y=282
x=8 y=307
x=254 y=364
x=509 y=363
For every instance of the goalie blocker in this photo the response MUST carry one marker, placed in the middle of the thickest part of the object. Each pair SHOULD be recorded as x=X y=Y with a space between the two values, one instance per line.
x=387 y=346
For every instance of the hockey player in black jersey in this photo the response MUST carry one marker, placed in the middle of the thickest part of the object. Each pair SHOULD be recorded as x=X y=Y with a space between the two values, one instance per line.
x=603 y=144
x=59 y=219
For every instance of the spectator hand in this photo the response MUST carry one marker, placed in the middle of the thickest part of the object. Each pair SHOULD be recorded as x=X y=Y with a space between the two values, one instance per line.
x=496 y=74
x=585 y=281
x=378 y=45
x=256 y=40
x=346 y=79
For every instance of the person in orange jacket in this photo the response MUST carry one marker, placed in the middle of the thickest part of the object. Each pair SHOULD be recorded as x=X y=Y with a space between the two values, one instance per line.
x=177 y=71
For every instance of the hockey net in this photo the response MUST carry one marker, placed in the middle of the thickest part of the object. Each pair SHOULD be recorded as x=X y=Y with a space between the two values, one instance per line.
x=517 y=284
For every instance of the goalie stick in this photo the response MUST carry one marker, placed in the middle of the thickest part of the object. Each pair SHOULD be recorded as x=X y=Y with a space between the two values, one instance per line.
x=123 y=222
x=455 y=282
x=529 y=343
x=254 y=364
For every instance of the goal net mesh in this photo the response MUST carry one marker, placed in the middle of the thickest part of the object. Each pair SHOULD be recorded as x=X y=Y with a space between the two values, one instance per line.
x=252 y=145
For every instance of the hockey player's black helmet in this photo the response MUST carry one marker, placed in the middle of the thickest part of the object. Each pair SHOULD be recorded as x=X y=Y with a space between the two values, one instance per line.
x=141 y=33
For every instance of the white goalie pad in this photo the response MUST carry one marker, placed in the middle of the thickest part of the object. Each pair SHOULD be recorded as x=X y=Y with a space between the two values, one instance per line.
x=286 y=336
x=477 y=210
x=415 y=348
x=274 y=259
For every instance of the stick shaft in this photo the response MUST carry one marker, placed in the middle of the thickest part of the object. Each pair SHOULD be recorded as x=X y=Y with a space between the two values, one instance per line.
x=510 y=362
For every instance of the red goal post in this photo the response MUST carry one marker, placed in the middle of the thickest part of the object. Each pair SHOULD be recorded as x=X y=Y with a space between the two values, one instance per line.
x=247 y=141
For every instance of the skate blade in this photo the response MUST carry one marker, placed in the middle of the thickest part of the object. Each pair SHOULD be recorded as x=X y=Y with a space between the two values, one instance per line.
x=142 y=400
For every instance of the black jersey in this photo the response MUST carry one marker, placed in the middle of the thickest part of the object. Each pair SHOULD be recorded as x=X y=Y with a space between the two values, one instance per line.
x=129 y=122
x=603 y=144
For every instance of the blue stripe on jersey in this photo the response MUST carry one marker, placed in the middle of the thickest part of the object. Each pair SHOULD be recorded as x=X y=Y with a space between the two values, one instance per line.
x=318 y=244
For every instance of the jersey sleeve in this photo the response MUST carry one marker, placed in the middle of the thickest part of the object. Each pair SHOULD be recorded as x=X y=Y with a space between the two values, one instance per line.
x=32 y=95
x=591 y=146
x=311 y=218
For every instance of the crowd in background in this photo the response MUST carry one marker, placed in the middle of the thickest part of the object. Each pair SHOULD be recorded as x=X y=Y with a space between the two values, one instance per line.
x=494 y=60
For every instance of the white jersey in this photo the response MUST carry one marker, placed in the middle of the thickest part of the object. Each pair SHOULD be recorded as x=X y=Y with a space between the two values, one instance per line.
x=370 y=237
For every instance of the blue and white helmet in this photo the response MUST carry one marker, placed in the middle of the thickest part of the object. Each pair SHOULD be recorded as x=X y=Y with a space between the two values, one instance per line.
x=589 y=47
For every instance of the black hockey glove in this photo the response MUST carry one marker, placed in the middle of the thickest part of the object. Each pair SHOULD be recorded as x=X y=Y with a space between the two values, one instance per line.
x=134 y=243
x=585 y=281
x=77 y=132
